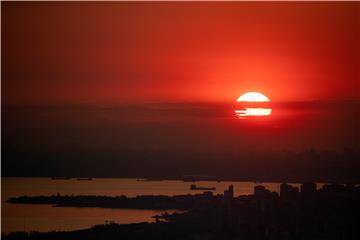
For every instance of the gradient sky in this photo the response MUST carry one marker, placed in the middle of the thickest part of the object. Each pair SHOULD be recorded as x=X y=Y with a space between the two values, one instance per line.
x=122 y=88
x=139 y=52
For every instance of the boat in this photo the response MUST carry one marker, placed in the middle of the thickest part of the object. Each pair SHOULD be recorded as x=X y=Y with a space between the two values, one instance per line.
x=60 y=178
x=84 y=179
x=194 y=187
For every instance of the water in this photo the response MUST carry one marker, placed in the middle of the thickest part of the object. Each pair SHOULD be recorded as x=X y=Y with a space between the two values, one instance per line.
x=30 y=217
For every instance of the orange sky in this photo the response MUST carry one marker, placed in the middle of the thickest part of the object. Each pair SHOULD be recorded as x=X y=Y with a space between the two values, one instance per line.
x=138 y=52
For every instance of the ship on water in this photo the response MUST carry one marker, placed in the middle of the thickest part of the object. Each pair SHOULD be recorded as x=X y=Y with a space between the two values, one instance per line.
x=85 y=179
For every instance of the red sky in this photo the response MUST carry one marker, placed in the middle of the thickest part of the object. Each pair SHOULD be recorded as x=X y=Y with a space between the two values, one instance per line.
x=122 y=88
x=138 y=52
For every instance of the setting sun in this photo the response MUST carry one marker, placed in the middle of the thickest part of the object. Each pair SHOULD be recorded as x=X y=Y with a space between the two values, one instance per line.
x=251 y=111
x=253 y=97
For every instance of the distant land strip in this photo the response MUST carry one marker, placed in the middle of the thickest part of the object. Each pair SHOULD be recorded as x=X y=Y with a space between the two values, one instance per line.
x=153 y=202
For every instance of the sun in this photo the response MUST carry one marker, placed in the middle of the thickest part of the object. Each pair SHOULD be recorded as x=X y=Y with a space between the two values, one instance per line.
x=248 y=110
x=253 y=97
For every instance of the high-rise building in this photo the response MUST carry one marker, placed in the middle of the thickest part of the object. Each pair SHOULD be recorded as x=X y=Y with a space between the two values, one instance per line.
x=288 y=192
x=308 y=188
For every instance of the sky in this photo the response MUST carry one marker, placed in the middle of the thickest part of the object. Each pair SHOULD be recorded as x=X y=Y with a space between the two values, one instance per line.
x=110 y=53
x=125 y=87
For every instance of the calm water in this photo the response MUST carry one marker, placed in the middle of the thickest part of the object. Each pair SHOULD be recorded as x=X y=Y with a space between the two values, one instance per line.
x=19 y=217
